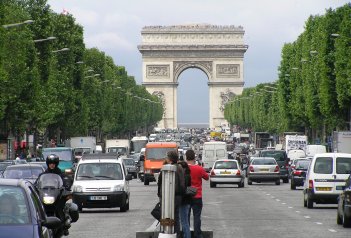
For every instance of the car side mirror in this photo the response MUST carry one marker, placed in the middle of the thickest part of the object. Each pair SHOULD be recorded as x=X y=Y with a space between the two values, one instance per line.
x=52 y=222
x=129 y=177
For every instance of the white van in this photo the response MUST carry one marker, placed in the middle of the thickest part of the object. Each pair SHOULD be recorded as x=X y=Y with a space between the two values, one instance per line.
x=294 y=154
x=311 y=150
x=325 y=178
x=212 y=151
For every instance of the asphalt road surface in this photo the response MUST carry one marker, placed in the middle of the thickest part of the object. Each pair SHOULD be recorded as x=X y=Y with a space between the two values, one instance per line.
x=259 y=210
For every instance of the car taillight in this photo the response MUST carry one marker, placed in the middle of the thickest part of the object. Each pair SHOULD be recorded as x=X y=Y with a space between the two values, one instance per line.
x=212 y=172
x=297 y=172
x=238 y=173
x=251 y=168
x=287 y=166
x=276 y=168
x=310 y=183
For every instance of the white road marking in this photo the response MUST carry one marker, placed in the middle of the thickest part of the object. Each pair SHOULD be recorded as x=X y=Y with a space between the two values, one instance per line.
x=319 y=223
x=297 y=211
x=267 y=194
x=290 y=207
x=283 y=203
x=332 y=230
x=307 y=217
x=273 y=197
x=277 y=200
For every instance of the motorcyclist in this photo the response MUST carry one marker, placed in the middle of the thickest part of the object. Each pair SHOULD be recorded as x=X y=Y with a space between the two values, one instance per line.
x=52 y=161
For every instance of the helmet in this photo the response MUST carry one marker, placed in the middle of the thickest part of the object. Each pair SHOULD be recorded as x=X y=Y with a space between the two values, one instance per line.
x=52 y=159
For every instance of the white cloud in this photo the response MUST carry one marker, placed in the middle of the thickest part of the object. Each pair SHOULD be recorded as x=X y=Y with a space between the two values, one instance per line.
x=109 y=41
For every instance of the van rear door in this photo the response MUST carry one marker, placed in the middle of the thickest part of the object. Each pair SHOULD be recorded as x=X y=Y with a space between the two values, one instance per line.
x=342 y=172
x=324 y=175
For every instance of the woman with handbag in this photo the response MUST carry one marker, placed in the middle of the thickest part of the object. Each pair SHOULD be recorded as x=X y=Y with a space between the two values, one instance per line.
x=185 y=205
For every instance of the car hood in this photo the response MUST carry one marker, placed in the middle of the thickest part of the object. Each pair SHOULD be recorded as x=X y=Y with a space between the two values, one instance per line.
x=18 y=231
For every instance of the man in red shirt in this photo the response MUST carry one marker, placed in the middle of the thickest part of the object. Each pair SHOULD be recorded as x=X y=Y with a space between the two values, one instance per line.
x=197 y=174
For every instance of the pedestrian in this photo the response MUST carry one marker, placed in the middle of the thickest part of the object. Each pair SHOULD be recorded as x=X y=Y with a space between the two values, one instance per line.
x=197 y=173
x=186 y=201
x=172 y=158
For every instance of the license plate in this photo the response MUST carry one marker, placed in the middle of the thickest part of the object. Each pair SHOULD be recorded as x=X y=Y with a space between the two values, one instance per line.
x=225 y=172
x=323 y=188
x=98 y=198
x=264 y=170
x=340 y=187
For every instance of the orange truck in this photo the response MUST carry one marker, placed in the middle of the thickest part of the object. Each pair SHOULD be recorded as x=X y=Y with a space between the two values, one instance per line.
x=155 y=155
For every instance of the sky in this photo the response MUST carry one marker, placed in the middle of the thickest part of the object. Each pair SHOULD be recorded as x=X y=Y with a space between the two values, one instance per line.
x=114 y=26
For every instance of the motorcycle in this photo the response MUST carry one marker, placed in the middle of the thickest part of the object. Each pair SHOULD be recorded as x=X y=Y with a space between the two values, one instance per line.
x=54 y=197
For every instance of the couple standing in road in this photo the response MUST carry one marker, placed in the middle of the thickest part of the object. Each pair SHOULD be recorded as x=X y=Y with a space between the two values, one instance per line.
x=187 y=174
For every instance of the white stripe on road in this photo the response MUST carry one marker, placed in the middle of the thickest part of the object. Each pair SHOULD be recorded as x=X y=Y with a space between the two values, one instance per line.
x=277 y=200
x=290 y=207
x=273 y=197
x=331 y=230
x=267 y=194
x=297 y=211
x=307 y=217
x=319 y=223
x=283 y=203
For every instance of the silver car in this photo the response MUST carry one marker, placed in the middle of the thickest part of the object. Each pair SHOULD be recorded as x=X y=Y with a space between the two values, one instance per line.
x=263 y=169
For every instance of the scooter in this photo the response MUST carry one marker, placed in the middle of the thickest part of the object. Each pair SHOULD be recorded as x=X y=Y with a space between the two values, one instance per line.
x=54 y=197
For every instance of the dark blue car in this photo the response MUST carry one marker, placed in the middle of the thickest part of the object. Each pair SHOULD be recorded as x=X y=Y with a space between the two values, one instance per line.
x=21 y=212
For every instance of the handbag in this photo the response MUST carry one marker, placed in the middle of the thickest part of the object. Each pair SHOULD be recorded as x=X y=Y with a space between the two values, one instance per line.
x=156 y=211
x=190 y=191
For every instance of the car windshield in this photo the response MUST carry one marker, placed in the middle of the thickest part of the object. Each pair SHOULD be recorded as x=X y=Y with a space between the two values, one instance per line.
x=226 y=165
x=302 y=164
x=65 y=155
x=13 y=206
x=22 y=172
x=264 y=162
x=343 y=165
x=157 y=153
x=128 y=162
x=278 y=155
x=121 y=150
x=99 y=171
x=323 y=165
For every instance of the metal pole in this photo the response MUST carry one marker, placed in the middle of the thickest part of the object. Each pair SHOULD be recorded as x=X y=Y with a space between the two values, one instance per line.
x=168 y=197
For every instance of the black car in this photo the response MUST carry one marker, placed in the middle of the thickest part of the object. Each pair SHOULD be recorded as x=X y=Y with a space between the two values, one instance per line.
x=282 y=159
x=22 y=213
x=298 y=174
x=344 y=206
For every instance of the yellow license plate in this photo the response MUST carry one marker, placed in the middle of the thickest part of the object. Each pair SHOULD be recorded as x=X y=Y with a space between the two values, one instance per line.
x=225 y=172
x=264 y=170
x=323 y=188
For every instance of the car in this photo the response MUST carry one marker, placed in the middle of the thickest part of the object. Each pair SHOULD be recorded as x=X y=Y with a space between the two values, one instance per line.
x=344 y=206
x=28 y=172
x=282 y=159
x=131 y=167
x=298 y=174
x=325 y=178
x=42 y=163
x=22 y=213
x=226 y=172
x=293 y=162
x=263 y=169
x=101 y=181
x=3 y=166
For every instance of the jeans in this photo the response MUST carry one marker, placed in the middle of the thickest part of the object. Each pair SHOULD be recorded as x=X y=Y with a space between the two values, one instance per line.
x=196 y=206
x=184 y=218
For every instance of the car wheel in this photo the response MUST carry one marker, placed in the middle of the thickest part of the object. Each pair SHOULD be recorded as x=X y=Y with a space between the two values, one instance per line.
x=123 y=208
x=80 y=208
x=309 y=202
x=346 y=221
x=304 y=200
x=292 y=185
x=339 y=219
x=212 y=185
x=249 y=182
x=286 y=180
x=146 y=181
x=277 y=182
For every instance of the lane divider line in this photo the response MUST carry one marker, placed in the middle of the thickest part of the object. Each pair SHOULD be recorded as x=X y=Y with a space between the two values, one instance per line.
x=332 y=230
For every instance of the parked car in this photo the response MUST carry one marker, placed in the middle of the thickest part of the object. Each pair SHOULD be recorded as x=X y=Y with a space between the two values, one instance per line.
x=282 y=159
x=325 y=179
x=298 y=174
x=101 y=181
x=28 y=172
x=226 y=172
x=22 y=213
x=131 y=167
x=344 y=206
x=263 y=169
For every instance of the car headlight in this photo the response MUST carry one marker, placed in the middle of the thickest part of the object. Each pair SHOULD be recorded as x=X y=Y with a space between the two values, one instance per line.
x=77 y=189
x=48 y=200
x=118 y=188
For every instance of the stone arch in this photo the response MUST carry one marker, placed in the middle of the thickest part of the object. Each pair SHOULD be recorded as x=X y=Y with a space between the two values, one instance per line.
x=218 y=51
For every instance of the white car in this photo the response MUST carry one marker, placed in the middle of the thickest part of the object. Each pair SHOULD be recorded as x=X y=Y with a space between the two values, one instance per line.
x=325 y=178
x=226 y=172
x=101 y=181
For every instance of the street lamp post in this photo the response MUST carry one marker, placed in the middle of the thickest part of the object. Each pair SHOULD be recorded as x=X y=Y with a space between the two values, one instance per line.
x=61 y=50
x=17 y=24
x=46 y=39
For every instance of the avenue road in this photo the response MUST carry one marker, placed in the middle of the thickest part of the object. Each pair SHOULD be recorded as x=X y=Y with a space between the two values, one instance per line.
x=259 y=210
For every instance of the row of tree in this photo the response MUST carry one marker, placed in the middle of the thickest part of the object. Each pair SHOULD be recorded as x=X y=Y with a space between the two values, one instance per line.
x=313 y=92
x=57 y=86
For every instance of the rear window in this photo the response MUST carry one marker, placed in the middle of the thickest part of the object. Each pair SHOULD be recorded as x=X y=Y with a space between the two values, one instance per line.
x=157 y=153
x=128 y=162
x=264 y=162
x=226 y=165
x=343 y=165
x=277 y=155
x=302 y=164
x=323 y=165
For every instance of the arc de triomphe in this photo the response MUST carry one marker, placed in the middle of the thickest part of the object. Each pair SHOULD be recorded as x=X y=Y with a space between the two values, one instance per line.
x=216 y=50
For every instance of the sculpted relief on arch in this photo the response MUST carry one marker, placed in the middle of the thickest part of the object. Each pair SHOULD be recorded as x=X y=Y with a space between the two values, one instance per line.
x=161 y=96
x=226 y=97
